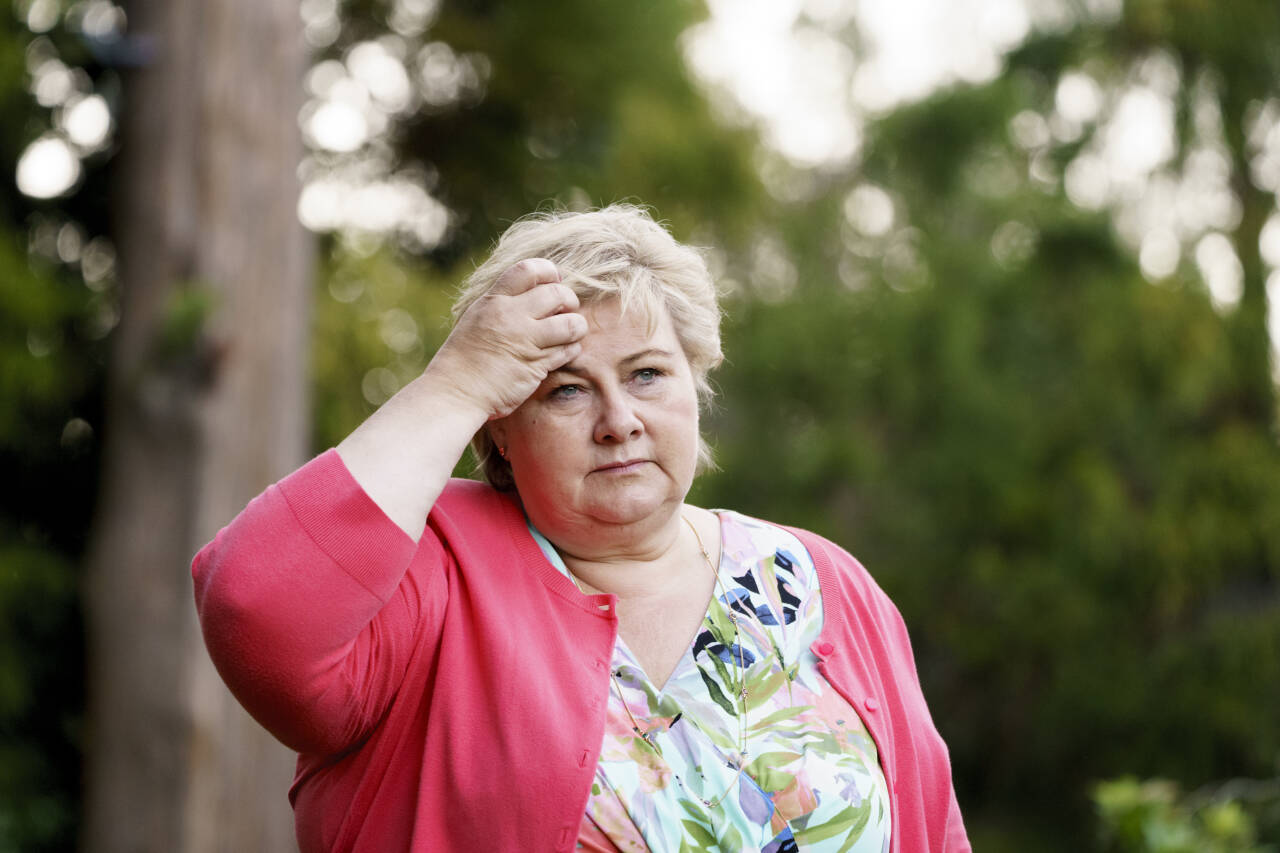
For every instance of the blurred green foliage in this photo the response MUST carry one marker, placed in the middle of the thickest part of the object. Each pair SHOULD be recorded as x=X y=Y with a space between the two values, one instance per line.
x=1155 y=817
x=378 y=320
x=52 y=348
x=49 y=371
x=1043 y=474
x=1066 y=476
x=585 y=103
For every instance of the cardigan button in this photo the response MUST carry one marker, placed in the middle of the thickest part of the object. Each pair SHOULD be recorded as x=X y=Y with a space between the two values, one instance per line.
x=871 y=704
x=826 y=648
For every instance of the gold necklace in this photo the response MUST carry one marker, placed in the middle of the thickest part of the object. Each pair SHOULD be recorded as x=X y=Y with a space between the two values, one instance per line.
x=740 y=688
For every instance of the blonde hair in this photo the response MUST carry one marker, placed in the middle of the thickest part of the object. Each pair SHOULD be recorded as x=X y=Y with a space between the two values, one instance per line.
x=616 y=252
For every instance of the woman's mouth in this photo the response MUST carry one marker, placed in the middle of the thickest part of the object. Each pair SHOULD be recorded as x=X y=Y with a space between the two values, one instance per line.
x=624 y=467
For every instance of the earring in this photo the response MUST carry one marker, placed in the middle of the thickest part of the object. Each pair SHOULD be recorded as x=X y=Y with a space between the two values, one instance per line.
x=502 y=451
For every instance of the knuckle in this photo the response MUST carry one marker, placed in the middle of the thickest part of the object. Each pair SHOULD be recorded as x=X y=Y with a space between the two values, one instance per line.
x=567 y=297
x=534 y=266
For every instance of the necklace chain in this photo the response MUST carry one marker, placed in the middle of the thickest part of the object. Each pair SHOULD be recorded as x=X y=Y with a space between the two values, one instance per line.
x=740 y=689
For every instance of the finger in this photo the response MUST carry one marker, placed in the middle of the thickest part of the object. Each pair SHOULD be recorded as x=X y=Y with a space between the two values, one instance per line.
x=559 y=330
x=547 y=300
x=560 y=356
x=525 y=275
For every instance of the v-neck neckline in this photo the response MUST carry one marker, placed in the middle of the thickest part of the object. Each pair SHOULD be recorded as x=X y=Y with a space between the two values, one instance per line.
x=687 y=662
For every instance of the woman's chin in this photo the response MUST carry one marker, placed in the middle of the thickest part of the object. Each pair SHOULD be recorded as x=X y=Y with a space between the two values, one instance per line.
x=630 y=506
x=625 y=513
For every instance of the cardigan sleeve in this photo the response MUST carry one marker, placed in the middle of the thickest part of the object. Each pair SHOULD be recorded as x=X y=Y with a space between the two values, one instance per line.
x=879 y=659
x=927 y=793
x=308 y=610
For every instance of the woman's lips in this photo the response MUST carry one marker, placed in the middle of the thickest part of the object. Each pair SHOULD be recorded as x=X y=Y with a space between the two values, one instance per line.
x=626 y=467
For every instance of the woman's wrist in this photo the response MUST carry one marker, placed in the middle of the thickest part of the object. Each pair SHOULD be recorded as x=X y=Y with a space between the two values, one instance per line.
x=405 y=452
x=443 y=388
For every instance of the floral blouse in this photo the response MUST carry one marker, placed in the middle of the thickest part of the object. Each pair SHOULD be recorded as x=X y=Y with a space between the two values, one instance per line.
x=812 y=779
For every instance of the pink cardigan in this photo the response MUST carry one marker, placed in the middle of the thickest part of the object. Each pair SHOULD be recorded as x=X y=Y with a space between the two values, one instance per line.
x=449 y=694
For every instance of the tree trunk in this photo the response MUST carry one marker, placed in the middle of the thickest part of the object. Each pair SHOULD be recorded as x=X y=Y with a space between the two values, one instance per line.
x=207 y=405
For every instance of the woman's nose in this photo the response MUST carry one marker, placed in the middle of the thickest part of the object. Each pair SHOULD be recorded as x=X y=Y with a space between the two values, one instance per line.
x=617 y=421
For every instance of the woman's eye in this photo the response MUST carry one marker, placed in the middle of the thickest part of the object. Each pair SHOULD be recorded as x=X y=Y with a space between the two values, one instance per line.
x=648 y=374
x=564 y=392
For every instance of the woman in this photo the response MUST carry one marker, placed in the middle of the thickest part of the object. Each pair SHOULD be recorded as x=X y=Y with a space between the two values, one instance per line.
x=569 y=655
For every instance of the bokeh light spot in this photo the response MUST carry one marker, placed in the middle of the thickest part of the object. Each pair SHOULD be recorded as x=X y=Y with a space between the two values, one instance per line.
x=382 y=74
x=336 y=126
x=870 y=210
x=52 y=83
x=77 y=434
x=1221 y=270
x=98 y=263
x=1013 y=244
x=379 y=385
x=42 y=15
x=47 y=168
x=399 y=331
x=1029 y=130
x=87 y=122
x=1086 y=182
x=1159 y=254
x=412 y=17
x=1077 y=98
x=1269 y=241
x=1140 y=136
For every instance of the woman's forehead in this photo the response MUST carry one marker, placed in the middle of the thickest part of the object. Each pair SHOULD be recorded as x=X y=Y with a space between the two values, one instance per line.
x=609 y=323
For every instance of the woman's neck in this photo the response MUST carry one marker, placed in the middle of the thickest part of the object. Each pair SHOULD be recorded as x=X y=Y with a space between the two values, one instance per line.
x=645 y=562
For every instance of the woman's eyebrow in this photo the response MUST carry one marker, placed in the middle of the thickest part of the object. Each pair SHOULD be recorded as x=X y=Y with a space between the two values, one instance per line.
x=652 y=352
x=568 y=368
x=648 y=353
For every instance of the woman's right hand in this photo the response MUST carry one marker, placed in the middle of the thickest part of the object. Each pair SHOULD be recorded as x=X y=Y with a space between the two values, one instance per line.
x=499 y=352
x=508 y=340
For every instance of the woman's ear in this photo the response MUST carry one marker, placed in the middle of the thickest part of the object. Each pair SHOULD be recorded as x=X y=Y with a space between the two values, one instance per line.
x=497 y=429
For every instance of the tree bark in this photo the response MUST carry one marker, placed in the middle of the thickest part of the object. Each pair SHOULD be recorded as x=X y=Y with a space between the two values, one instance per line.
x=207 y=404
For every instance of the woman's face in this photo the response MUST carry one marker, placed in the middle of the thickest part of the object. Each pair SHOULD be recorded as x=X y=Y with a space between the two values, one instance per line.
x=612 y=437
